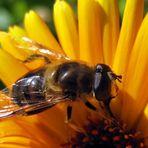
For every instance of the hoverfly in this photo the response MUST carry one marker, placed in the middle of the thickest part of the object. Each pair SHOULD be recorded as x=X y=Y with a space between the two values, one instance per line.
x=60 y=79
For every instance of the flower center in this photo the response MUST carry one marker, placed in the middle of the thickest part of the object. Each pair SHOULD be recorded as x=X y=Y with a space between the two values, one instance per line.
x=106 y=134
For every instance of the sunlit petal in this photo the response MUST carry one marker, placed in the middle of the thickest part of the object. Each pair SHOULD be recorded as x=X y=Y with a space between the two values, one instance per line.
x=110 y=28
x=65 y=23
x=17 y=31
x=136 y=80
x=11 y=69
x=133 y=12
x=7 y=44
x=133 y=15
x=39 y=31
x=89 y=12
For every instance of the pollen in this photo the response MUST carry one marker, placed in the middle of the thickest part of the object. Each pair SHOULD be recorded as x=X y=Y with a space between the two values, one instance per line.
x=107 y=134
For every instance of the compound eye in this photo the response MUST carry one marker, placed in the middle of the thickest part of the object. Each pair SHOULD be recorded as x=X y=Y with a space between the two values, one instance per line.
x=99 y=68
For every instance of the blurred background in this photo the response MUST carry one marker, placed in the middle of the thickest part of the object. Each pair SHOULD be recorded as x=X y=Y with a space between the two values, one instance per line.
x=12 y=11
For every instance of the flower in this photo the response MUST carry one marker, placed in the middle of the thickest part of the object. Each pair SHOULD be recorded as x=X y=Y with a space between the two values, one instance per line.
x=95 y=38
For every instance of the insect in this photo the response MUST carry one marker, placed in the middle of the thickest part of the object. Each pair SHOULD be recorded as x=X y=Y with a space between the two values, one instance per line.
x=60 y=79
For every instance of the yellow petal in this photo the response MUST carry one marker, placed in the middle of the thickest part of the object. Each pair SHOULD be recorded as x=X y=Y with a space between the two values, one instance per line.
x=8 y=45
x=17 y=31
x=10 y=68
x=54 y=121
x=35 y=64
x=110 y=28
x=133 y=15
x=90 y=31
x=142 y=125
x=39 y=31
x=27 y=132
x=66 y=28
x=137 y=81
x=14 y=141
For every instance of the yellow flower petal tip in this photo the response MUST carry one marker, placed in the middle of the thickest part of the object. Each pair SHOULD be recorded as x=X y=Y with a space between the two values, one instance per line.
x=128 y=34
x=17 y=31
x=39 y=31
x=66 y=28
x=8 y=44
x=110 y=28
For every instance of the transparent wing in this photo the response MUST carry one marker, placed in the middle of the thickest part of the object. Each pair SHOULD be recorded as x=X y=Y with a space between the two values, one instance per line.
x=8 y=107
x=34 y=47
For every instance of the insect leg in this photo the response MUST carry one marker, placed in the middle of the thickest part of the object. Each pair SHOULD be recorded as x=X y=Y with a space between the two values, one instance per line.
x=36 y=56
x=88 y=104
x=69 y=113
x=107 y=106
x=33 y=112
x=70 y=123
